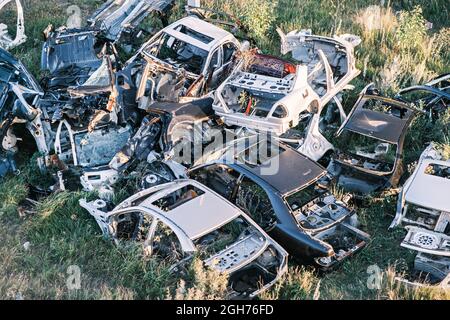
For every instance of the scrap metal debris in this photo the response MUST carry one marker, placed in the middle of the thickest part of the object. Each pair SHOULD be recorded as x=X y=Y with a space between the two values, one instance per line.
x=194 y=102
x=295 y=206
x=432 y=97
x=182 y=62
x=117 y=18
x=6 y=41
x=268 y=94
x=18 y=93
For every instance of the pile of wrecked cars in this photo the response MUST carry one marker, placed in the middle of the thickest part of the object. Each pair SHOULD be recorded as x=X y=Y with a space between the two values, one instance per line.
x=242 y=151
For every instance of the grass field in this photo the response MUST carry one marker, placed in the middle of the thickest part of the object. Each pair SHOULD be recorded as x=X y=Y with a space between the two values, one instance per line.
x=37 y=250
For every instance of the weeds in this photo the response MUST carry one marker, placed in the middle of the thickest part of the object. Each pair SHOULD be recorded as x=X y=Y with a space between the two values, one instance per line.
x=298 y=284
x=203 y=284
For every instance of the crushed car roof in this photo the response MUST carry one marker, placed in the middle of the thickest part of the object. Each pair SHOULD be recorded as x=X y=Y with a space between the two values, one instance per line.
x=296 y=171
x=428 y=190
x=377 y=124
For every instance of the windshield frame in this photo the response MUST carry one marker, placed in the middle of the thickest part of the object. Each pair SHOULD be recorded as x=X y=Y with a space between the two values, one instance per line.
x=311 y=185
x=162 y=40
x=346 y=152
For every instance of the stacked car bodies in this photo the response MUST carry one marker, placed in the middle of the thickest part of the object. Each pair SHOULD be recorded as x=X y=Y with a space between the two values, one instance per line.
x=224 y=142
